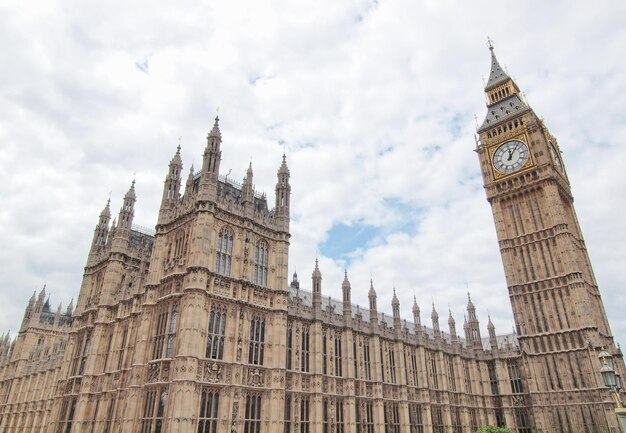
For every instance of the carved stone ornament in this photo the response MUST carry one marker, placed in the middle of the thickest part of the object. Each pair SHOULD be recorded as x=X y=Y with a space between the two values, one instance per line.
x=212 y=372
x=255 y=377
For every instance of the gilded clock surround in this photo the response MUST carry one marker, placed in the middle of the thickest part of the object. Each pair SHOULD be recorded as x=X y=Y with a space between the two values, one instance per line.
x=497 y=175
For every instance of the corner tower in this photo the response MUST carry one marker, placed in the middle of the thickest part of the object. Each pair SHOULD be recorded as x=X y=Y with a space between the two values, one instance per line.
x=558 y=312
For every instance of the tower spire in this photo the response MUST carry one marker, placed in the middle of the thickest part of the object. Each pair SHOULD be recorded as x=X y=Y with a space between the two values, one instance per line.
x=347 y=302
x=316 y=278
x=171 y=185
x=503 y=96
x=372 y=298
x=283 y=193
x=211 y=162
x=101 y=231
x=497 y=75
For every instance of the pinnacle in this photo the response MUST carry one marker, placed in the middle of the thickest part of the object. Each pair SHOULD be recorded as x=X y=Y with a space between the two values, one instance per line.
x=215 y=131
x=176 y=160
x=131 y=191
x=107 y=209
x=497 y=75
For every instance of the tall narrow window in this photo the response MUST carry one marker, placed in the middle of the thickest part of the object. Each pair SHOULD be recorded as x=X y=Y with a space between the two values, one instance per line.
x=455 y=413
x=523 y=422
x=289 y=345
x=358 y=407
x=287 y=413
x=159 y=335
x=304 y=352
x=216 y=332
x=468 y=379
x=392 y=418
x=434 y=375
x=326 y=415
x=122 y=350
x=339 y=417
x=414 y=368
x=493 y=378
x=171 y=333
x=366 y=359
x=257 y=341
x=165 y=332
x=83 y=341
x=514 y=376
x=224 y=251
x=154 y=411
x=325 y=352
x=252 y=415
x=305 y=411
x=338 y=359
x=207 y=420
x=382 y=363
x=415 y=418
x=261 y=256
x=451 y=375
x=437 y=419
x=369 y=417
x=108 y=422
x=85 y=353
x=392 y=365
x=68 y=407
x=354 y=357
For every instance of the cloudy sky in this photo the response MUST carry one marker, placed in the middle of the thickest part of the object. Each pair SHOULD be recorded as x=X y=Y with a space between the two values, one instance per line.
x=374 y=103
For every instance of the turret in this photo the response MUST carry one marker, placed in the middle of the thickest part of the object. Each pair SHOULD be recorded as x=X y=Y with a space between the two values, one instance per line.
x=316 y=278
x=101 y=231
x=493 y=341
x=70 y=308
x=127 y=211
x=416 y=317
x=40 y=300
x=473 y=326
x=283 y=194
x=189 y=185
x=395 y=308
x=452 y=326
x=171 y=186
x=372 y=298
x=466 y=329
x=247 y=189
x=435 y=319
x=29 y=311
x=211 y=163
x=347 y=302
x=295 y=284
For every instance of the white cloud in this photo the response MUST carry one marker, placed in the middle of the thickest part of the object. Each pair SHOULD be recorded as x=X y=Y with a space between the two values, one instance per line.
x=374 y=102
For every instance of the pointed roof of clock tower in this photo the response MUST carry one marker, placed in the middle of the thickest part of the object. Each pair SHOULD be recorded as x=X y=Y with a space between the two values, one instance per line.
x=497 y=75
x=503 y=96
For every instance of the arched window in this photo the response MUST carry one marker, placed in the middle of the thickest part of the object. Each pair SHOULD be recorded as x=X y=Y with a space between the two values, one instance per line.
x=216 y=331
x=256 y=348
x=171 y=334
x=224 y=251
x=261 y=255
x=164 y=334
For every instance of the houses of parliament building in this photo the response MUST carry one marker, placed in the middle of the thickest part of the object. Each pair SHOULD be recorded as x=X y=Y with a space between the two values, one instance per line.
x=197 y=327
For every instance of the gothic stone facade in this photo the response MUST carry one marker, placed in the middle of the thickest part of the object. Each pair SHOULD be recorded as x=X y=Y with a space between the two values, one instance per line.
x=196 y=328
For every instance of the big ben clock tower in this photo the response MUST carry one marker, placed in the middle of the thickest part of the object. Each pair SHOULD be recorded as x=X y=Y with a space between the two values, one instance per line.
x=558 y=312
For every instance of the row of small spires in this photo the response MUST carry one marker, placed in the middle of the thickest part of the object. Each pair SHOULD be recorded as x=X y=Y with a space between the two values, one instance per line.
x=172 y=181
x=395 y=304
x=40 y=305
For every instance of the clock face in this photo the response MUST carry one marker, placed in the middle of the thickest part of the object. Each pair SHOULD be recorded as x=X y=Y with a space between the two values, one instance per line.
x=510 y=157
x=556 y=157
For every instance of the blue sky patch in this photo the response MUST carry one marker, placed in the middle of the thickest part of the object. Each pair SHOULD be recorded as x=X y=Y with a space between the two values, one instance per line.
x=343 y=239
